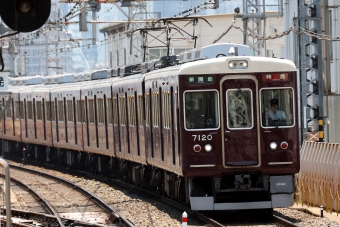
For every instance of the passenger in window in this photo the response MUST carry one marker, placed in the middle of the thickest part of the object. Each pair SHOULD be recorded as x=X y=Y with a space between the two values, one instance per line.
x=274 y=114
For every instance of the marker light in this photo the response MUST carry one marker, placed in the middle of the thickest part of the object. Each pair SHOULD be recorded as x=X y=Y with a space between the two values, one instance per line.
x=238 y=64
x=273 y=145
x=284 y=145
x=208 y=148
x=197 y=148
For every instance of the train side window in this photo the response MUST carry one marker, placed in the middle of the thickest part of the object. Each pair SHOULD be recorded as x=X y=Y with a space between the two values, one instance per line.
x=166 y=109
x=8 y=111
x=131 y=113
x=109 y=111
x=115 y=112
x=122 y=109
x=155 y=109
x=147 y=109
x=48 y=111
x=239 y=109
x=60 y=111
x=21 y=111
x=79 y=112
x=90 y=110
x=39 y=111
x=29 y=110
x=201 y=110
x=17 y=110
x=53 y=111
x=277 y=107
x=140 y=110
x=69 y=111
x=100 y=103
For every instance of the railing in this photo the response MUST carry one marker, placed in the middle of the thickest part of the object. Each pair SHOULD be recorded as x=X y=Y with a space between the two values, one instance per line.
x=318 y=182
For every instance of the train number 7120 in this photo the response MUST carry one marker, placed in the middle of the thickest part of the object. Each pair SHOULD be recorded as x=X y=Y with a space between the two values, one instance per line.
x=202 y=137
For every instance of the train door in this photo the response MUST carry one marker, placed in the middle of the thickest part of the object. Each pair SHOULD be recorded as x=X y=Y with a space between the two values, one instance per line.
x=239 y=121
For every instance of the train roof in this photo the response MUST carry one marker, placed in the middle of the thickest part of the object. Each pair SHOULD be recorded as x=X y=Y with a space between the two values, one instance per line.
x=221 y=65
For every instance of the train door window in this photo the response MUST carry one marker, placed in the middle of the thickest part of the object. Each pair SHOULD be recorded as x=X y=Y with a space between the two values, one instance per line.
x=90 y=110
x=29 y=110
x=140 y=110
x=60 y=111
x=240 y=109
x=131 y=109
x=69 y=111
x=100 y=103
x=147 y=109
x=166 y=109
x=201 y=110
x=277 y=107
x=39 y=111
x=155 y=109
x=122 y=110
x=109 y=111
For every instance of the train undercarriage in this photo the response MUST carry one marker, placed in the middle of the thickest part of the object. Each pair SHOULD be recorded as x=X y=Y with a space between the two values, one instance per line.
x=230 y=192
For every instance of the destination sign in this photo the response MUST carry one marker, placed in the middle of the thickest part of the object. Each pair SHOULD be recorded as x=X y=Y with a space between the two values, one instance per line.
x=201 y=79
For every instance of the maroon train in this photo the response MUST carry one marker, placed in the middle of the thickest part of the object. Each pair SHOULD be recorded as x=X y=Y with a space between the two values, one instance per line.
x=198 y=130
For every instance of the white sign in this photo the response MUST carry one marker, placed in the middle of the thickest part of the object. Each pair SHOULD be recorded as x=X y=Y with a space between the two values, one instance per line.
x=3 y=81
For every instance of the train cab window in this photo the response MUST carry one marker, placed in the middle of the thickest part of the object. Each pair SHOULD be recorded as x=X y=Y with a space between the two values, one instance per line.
x=201 y=110
x=239 y=109
x=277 y=107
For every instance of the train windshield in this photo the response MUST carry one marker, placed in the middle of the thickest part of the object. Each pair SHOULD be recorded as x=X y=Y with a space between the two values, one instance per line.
x=201 y=110
x=277 y=107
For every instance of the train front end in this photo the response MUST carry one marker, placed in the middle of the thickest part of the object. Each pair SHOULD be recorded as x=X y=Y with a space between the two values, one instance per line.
x=237 y=152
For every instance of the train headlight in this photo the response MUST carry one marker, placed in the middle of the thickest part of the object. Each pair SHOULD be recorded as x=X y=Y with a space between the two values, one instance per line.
x=238 y=64
x=284 y=145
x=197 y=148
x=273 y=145
x=208 y=148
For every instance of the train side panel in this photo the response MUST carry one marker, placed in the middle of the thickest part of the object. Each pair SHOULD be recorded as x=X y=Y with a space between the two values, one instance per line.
x=161 y=120
x=128 y=114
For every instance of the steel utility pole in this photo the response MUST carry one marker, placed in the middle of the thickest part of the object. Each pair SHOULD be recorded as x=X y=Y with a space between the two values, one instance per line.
x=311 y=81
x=254 y=11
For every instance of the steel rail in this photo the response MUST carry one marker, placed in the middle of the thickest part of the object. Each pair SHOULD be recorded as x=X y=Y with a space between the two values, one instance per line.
x=41 y=200
x=284 y=222
x=114 y=215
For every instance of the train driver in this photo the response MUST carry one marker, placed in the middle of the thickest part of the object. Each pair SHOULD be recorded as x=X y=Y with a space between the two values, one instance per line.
x=274 y=113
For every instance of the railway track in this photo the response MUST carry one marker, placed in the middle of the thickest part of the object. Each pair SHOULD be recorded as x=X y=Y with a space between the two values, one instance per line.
x=209 y=221
x=65 y=201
